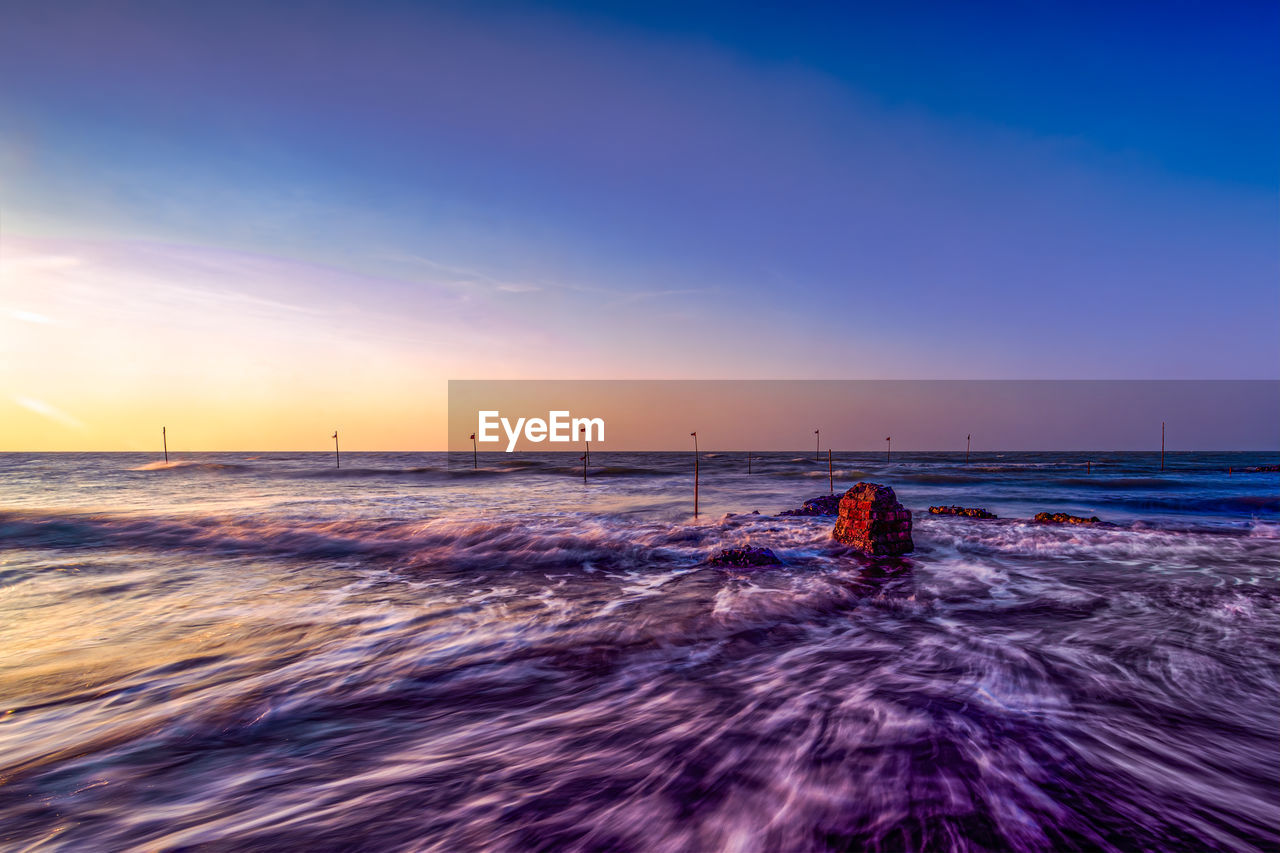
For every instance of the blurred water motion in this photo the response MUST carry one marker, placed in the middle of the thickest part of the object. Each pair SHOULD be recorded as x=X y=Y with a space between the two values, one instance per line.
x=267 y=653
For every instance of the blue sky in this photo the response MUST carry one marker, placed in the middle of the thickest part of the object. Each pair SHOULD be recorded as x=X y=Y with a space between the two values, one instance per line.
x=1020 y=190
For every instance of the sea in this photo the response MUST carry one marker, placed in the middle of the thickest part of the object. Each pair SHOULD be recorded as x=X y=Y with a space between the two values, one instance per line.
x=263 y=651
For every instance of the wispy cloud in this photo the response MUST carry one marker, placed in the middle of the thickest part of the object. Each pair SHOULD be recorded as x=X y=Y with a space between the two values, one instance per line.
x=53 y=413
x=18 y=263
x=465 y=278
x=29 y=316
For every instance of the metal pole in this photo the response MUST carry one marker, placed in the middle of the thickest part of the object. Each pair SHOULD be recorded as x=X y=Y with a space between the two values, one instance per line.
x=337 y=461
x=475 y=456
x=831 y=487
x=968 y=440
x=165 y=438
x=584 y=469
x=1162 y=445
x=817 y=444
x=888 y=447
x=695 y=473
x=748 y=461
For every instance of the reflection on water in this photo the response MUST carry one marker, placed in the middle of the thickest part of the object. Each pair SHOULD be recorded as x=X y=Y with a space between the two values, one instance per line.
x=264 y=653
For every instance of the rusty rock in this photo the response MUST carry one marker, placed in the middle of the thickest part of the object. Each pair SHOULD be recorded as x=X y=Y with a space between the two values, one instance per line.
x=744 y=558
x=967 y=512
x=871 y=520
x=1063 y=518
x=821 y=505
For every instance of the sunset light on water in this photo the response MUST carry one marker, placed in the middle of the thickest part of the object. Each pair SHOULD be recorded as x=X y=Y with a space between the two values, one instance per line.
x=639 y=427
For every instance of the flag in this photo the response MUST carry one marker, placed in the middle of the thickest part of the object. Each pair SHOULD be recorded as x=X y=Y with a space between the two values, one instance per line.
x=473 y=436
x=816 y=431
x=694 y=434
x=335 y=433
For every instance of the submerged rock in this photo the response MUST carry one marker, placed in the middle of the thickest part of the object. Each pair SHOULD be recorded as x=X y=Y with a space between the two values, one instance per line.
x=745 y=558
x=872 y=520
x=821 y=505
x=1064 y=518
x=1261 y=469
x=967 y=512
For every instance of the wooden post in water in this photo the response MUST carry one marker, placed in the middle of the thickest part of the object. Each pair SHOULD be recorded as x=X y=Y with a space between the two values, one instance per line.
x=584 y=468
x=695 y=473
x=475 y=455
x=748 y=461
x=1088 y=466
x=888 y=446
x=817 y=444
x=337 y=462
x=165 y=438
x=586 y=457
x=831 y=483
x=1162 y=445
x=968 y=440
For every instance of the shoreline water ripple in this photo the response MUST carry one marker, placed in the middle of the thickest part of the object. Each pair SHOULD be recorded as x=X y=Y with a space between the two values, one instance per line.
x=244 y=654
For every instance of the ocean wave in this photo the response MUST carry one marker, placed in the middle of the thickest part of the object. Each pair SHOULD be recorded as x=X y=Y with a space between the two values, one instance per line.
x=1267 y=506
x=624 y=471
x=461 y=472
x=391 y=678
x=191 y=465
x=847 y=474
x=363 y=473
x=939 y=478
x=531 y=541
x=581 y=540
x=1133 y=547
x=841 y=473
x=1102 y=481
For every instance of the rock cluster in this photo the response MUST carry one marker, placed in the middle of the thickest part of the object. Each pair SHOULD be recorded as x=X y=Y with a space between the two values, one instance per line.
x=1064 y=518
x=872 y=520
x=821 y=505
x=744 y=558
x=967 y=512
x=1261 y=469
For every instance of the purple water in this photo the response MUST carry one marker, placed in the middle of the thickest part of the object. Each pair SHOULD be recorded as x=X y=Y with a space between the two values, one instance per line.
x=258 y=652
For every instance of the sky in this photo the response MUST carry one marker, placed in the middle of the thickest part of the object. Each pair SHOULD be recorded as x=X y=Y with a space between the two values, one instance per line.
x=256 y=223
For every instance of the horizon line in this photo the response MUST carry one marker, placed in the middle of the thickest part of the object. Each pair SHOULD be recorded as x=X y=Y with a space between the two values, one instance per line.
x=598 y=449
